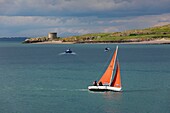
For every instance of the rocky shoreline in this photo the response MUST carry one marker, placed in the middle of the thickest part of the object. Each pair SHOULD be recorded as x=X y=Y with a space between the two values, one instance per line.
x=158 y=41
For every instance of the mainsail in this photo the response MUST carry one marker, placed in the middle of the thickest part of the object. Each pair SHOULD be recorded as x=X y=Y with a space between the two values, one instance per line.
x=107 y=76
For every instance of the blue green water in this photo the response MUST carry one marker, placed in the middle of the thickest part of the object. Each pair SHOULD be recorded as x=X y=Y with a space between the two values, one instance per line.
x=36 y=79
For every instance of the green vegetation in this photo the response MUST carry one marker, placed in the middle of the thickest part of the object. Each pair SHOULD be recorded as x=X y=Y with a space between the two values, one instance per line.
x=127 y=36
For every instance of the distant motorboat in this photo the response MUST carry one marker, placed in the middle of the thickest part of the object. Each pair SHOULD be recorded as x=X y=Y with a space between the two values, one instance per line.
x=107 y=49
x=68 y=51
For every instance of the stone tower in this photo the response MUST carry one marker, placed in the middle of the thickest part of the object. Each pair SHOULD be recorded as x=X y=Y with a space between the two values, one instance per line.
x=52 y=35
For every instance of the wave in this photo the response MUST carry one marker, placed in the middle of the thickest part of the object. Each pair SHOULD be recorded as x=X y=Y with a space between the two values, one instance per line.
x=73 y=53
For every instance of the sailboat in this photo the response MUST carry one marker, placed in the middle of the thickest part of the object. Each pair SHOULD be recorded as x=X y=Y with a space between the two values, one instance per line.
x=106 y=83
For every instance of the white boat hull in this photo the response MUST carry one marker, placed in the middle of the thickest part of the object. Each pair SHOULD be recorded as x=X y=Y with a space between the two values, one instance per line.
x=103 y=88
x=113 y=88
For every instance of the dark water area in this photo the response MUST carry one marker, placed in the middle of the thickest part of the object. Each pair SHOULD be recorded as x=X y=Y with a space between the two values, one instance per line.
x=37 y=78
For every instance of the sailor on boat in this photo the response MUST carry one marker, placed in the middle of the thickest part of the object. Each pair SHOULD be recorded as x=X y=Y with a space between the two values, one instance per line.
x=95 y=83
x=68 y=51
x=100 y=84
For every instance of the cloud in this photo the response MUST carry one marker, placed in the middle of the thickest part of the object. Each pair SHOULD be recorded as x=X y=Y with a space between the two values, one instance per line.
x=74 y=17
x=33 y=26
x=40 y=25
x=82 y=8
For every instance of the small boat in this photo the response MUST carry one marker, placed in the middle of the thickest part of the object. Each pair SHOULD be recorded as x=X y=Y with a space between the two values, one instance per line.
x=106 y=83
x=68 y=51
x=107 y=49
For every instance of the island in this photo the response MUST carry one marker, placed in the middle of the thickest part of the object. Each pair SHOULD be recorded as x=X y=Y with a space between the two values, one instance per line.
x=153 y=35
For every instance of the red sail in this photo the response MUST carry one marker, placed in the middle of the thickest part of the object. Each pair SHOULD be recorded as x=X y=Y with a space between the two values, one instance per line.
x=106 y=78
x=117 y=79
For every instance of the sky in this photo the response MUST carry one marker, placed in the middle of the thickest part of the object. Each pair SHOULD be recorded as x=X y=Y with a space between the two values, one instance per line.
x=33 y=18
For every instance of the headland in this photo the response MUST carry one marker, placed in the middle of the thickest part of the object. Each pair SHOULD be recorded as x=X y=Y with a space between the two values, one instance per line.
x=153 y=35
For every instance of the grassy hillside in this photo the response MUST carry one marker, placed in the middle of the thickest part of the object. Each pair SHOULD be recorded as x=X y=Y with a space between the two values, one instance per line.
x=130 y=35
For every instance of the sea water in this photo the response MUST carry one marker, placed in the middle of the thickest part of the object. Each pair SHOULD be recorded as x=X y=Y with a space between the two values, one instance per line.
x=37 y=78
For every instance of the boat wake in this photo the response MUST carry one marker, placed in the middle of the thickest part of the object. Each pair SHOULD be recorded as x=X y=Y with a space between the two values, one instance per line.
x=81 y=90
x=64 y=53
x=62 y=89
x=72 y=90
